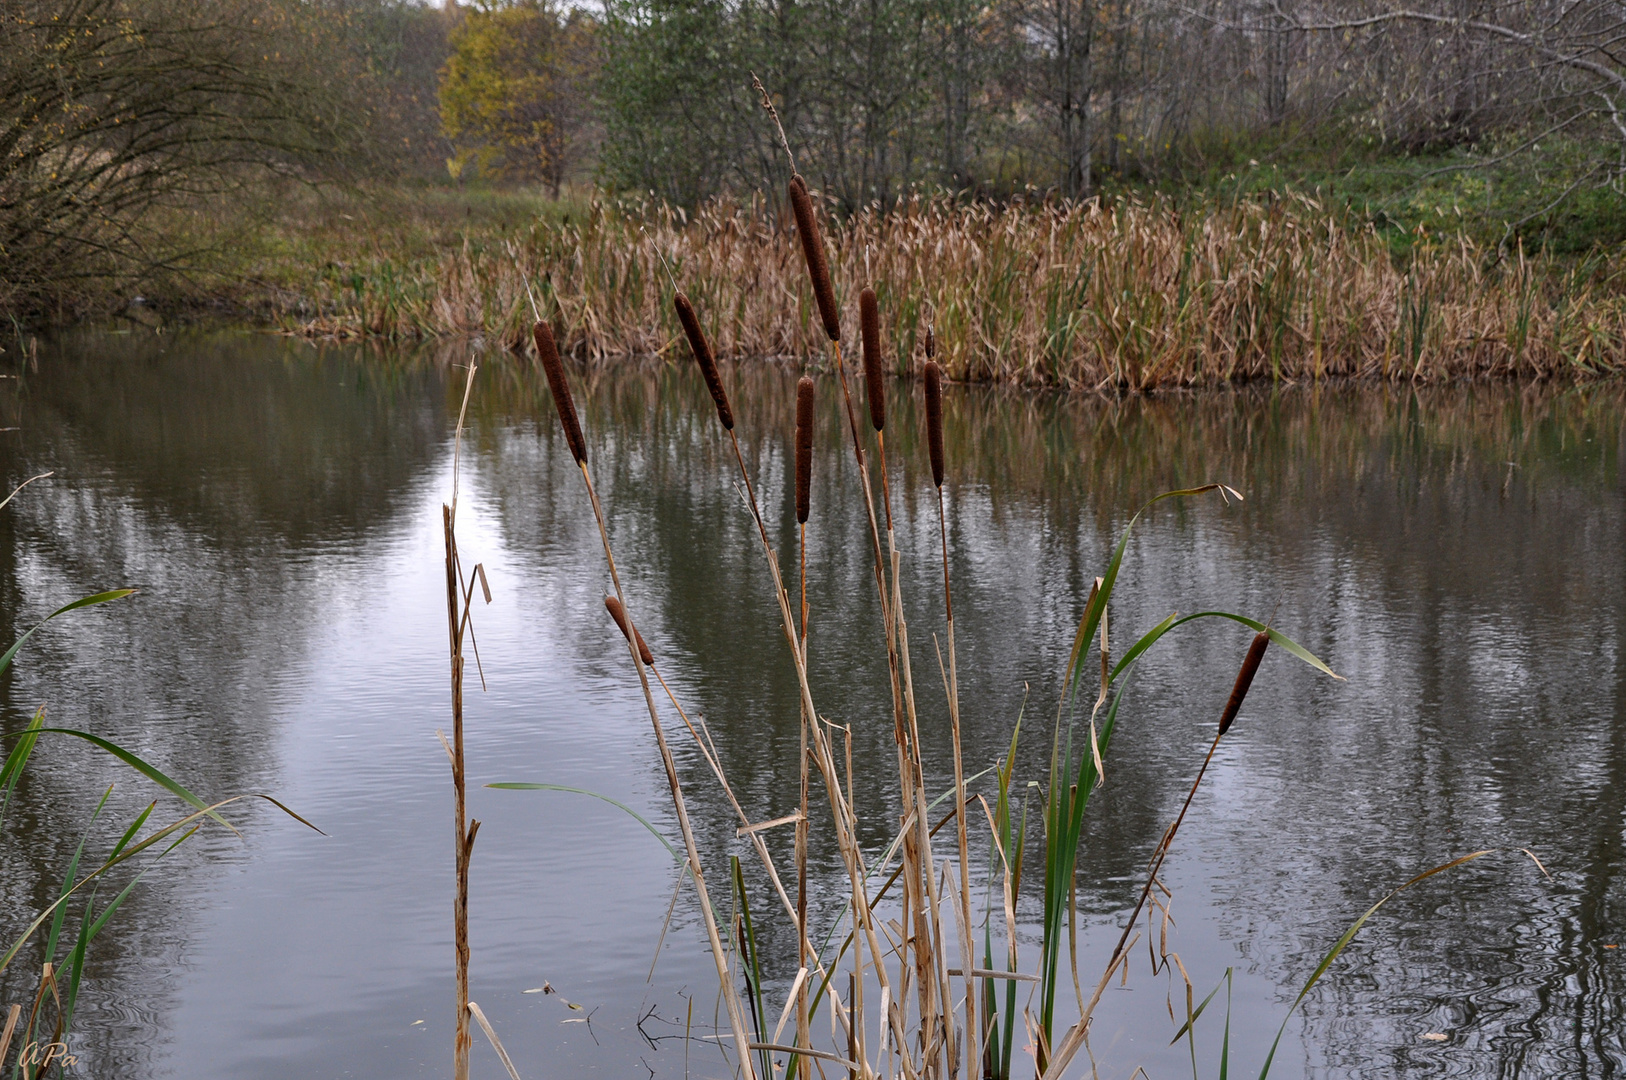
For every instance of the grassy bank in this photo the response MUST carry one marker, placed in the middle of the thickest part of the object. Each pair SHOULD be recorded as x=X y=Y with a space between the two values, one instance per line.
x=1145 y=289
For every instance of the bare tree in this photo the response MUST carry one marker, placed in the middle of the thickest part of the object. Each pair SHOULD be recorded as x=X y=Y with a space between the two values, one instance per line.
x=110 y=109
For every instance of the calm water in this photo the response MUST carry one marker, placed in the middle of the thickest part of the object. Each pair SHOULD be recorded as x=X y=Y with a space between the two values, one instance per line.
x=1456 y=554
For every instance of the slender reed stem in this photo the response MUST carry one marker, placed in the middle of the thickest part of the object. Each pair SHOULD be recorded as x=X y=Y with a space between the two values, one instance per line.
x=463 y=835
x=742 y=1038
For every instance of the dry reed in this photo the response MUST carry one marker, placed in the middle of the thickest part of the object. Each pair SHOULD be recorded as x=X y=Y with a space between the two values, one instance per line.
x=1074 y=1039
x=1072 y=294
x=566 y=407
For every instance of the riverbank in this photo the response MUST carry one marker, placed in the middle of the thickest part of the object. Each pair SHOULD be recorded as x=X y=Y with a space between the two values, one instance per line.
x=1135 y=293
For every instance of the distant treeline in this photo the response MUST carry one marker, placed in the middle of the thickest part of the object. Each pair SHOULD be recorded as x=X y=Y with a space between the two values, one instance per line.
x=995 y=95
x=113 y=112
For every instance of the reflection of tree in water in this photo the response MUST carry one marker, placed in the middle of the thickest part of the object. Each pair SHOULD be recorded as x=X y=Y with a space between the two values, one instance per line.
x=1475 y=606
x=233 y=480
x=1454 y=551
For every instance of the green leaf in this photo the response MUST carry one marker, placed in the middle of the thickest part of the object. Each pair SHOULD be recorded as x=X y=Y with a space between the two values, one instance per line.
x=1349 y=935
x=157 y=777
x=636 y=816
x=1276 y=636
x=99 y=598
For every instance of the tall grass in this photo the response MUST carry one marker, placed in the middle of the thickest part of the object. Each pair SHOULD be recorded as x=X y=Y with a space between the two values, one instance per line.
x=1126 y=294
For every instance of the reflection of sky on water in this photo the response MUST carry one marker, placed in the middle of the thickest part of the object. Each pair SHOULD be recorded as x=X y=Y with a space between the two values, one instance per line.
x=279 y=507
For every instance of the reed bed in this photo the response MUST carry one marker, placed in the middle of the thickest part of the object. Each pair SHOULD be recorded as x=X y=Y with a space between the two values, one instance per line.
x=1127 y=294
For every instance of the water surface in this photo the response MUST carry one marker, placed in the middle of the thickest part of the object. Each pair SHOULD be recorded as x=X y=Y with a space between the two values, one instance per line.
x=1455 y=553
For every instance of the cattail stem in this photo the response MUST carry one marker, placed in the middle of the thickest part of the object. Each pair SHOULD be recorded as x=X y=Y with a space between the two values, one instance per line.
x=1250 y=665
x=863 y=920
x=463 y=1039
x=742 y=1038
x=457 y=620
x=967 y=949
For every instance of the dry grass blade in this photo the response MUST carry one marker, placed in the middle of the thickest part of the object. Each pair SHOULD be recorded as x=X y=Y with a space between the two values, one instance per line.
x=496 y=1043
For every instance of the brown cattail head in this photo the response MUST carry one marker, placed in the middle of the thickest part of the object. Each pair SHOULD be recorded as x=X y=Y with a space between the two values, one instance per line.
x=934 y=418
x=931 y=343
x=1244 y=679
x=702 y=353
x=869 y=320
x=804 y=445
x=807 y=225
x=549 y=354
x=619 y=614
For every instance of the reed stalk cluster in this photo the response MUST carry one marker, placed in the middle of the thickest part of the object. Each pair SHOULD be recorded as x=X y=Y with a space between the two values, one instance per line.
x=1126 y=294
x=898 y=979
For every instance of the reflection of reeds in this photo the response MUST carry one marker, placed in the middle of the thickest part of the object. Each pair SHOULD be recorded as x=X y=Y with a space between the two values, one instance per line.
x=1126 y=294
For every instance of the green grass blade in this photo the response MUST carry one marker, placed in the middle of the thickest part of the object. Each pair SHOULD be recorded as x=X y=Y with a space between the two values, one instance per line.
x=1198 y=1011
x=129 y=853
x=99 y=598
x=67 y=878
x=623 y=807
x=1349 y=935
x=1151 y=637
x=17 y=760
x=135 y=827
x=157 y=777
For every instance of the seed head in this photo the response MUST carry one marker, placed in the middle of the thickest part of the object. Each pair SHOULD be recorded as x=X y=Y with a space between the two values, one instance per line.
x=869 y=320
x=934 y=418
x=807 y=225
x=619 y=614
x=702 y=354
x=1244 y=679
x=549 y=354
x=804 y=445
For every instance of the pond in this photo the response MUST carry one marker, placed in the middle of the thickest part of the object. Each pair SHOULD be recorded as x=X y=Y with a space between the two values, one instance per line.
x=1455 y=553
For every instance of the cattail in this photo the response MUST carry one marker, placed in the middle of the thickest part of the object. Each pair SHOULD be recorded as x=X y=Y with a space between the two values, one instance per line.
x=549 y=353
x=702 y=353
x=813 y=247
x=1244 y=679
x=804 y=445
x=934 y=417
x=869 y=321
x=619 y=614
x=931 y=343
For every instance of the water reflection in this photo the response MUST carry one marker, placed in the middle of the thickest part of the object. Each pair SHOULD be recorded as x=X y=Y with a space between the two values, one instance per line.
x=1454 y=552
